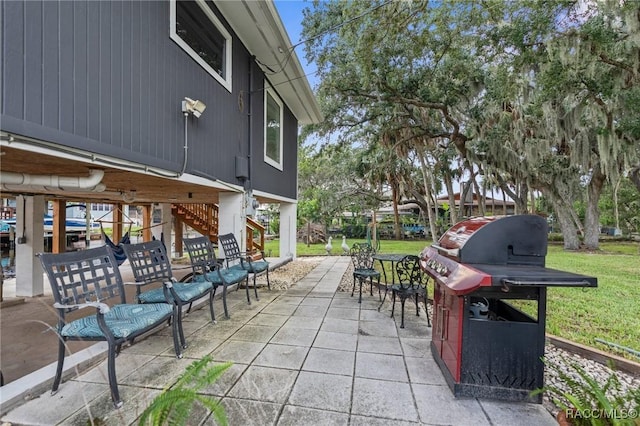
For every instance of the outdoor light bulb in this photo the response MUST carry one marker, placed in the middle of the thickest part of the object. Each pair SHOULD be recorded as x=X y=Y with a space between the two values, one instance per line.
x=194 y=107
x=198 y=108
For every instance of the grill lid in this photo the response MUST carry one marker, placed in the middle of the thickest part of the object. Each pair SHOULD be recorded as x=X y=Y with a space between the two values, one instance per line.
x=504 y=251
x=507 y=240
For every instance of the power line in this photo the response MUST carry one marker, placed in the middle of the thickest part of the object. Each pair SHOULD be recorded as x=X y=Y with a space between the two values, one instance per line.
x=335 y=27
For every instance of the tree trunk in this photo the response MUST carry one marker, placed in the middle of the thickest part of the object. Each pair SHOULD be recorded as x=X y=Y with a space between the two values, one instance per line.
x=563 y=210
x=374 y=230
x=592 y=214
x=634 y=175
x=493 y=202
x=396 y=213
x=576 y=219
x=522 y=198
x=532 y=194
x=463 y=199
x=520 y=203
x=482 y=210
x=428 y=195
x=453 y=213
x=616 y=209
x=504 y=202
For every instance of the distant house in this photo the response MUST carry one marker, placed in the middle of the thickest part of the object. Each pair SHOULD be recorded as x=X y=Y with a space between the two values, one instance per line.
x=143 y=102
x=493 y=207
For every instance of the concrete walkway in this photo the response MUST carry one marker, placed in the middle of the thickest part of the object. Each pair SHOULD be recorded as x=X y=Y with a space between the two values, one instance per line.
x=310 y=355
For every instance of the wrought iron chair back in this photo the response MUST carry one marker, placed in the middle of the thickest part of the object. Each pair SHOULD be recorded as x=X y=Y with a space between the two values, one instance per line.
x=412 y=282
x=362 y=255
x=410 y=275
x=363 y=270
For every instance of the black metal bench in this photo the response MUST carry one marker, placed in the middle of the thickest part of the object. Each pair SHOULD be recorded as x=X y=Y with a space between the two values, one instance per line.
x=206 y=267
x=91 y=279
x=150 y=264
x=252 y=261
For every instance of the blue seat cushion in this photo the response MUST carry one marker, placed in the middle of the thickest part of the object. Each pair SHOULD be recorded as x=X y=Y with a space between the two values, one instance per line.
x=186 y=292
x=253 y=267
x=123 y=321
x=230 y=275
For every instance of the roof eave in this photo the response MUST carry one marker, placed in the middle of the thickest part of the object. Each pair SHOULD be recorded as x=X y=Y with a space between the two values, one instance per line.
x=266 y=38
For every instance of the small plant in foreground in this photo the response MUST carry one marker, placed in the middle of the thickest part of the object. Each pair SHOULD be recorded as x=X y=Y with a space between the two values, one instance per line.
x=173 y=406
x=583 y=400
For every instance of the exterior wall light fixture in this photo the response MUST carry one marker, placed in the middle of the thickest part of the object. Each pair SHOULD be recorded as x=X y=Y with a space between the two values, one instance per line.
x=189 y=106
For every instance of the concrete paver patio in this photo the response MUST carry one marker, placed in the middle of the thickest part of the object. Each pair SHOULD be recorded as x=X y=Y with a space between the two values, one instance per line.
x=309 y=355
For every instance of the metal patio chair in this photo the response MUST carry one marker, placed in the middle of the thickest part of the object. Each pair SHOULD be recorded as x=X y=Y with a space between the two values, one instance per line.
x=252 y=261
x=91 y=279
x=412 y=282
x=150 y=264
x=206 y=267
x=363 y=270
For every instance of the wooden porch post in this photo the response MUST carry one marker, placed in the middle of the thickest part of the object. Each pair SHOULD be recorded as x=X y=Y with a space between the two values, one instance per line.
x=178 y=235
x=117 y=223
x=59 y=239
x=146 y=222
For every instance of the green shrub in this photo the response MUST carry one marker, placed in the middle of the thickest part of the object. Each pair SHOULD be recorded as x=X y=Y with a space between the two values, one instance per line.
x=173 y=406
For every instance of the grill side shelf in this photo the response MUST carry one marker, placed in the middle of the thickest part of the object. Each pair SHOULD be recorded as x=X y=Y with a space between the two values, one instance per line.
x=583 y=283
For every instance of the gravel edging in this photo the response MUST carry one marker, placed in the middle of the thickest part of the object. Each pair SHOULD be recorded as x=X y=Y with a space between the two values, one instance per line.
x=285 y=276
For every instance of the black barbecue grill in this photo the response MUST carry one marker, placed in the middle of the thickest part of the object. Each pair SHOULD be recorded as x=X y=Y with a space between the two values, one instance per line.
x=486 y=346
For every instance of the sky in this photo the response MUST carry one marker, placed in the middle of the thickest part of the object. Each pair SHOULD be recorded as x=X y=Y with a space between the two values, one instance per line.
x=291 y=14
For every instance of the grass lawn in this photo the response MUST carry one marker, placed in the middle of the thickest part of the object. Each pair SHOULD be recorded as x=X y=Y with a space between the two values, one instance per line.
x=610 y=312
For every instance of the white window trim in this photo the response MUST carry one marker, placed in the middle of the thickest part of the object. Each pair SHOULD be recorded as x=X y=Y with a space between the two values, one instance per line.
x=226 y=81
x=267 y=159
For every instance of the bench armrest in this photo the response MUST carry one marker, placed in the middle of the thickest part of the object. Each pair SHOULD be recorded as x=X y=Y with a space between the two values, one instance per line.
x=103 y=308
x=167 y=284
x=250 y=255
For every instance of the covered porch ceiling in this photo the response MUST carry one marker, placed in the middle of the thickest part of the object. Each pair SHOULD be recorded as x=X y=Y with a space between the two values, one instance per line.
x=122 y=186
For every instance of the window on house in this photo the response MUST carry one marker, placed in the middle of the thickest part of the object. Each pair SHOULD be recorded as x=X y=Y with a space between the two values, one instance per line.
x=197 y=30
x=273 y=129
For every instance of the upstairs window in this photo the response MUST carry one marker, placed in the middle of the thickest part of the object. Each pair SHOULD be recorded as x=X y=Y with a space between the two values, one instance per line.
x=273 y=129
x=197 y=30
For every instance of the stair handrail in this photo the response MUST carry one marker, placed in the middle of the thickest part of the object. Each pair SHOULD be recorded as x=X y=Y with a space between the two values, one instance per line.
x=208 y=214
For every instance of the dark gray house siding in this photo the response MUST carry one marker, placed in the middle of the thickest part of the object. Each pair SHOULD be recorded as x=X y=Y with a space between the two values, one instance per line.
x=278 y=182
x=105 y=77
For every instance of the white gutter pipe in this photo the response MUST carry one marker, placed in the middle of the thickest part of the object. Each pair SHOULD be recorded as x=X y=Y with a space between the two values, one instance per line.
x=53 y=182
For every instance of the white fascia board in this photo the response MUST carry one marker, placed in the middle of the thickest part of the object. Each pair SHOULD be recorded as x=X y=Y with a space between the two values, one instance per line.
x=270 y=196
x=259 y=27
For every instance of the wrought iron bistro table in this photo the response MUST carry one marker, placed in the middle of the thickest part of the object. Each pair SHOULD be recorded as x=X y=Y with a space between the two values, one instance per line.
x=392 y=258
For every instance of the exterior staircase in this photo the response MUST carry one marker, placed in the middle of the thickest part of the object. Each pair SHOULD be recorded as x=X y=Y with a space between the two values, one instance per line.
x=204 y=219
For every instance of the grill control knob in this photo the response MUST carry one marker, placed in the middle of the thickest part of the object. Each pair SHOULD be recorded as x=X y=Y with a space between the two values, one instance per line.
x=437 y=266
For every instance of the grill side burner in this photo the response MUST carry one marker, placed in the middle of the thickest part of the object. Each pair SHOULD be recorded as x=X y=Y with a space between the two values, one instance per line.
x=482 y=265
